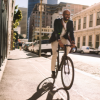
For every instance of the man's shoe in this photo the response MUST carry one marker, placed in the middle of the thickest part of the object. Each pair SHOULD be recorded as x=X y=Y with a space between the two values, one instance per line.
x=53 y=74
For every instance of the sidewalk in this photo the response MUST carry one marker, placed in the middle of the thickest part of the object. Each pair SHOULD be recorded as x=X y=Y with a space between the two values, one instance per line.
x=22 y=76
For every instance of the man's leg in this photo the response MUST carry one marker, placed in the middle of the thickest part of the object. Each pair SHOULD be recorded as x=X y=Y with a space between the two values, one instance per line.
x=64 y=41
x=54 y=54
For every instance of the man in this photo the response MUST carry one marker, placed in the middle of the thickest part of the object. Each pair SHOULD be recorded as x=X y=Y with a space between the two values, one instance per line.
x=63 y=33
x=20 y=45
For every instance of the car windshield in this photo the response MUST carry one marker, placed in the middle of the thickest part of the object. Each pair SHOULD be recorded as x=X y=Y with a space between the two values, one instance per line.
x=87 y=48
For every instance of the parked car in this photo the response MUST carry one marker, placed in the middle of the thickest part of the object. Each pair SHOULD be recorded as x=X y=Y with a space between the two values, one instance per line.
x=45 y=47
x=26 y=47
x=74 y=49
x=27 y=44
x=30 y=47
x=98 y=50
x=86 y=49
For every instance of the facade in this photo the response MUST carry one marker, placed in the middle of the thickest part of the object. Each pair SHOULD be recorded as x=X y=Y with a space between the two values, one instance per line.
x=6 y=29
x=23 y=22
x=18 y=29
x=74 y=8
x=87 y=27
x=46 y=30
x=52 y=1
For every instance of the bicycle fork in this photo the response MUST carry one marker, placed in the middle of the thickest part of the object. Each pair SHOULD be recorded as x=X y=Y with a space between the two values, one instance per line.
x=66 y=63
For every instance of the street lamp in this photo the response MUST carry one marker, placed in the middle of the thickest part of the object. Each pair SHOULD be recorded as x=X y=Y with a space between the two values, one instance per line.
x=40 y=28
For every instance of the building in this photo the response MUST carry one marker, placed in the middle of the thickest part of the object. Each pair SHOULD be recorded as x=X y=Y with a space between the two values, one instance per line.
x=18 y=29
x=23 y=22
x=87 y=27
x=46 y=30
x=6 y=30
x=74 y=8
x=47 y=14
x=52 y=1
x=31 y=4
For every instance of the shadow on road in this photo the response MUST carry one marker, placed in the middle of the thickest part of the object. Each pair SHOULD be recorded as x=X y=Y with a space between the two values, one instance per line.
x=47 y=85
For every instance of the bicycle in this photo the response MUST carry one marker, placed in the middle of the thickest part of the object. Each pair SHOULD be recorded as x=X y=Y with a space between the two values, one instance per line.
x=66 y=67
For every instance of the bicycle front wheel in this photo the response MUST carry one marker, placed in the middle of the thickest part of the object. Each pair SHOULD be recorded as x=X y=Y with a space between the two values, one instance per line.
x=67 y=73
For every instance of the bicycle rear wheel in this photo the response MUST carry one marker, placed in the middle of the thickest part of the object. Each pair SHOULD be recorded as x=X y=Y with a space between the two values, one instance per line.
x=67 y=73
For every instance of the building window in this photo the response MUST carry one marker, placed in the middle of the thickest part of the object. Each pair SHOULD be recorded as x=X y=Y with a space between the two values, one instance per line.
x=91 y=21
x=74 y=25
x=98 y=18
x=84 y=23
x=97 y=41
x=68 y=5
x=79 y=24
x=84 y=38
x=90 y=40
x=72 y=10
x=78 y=42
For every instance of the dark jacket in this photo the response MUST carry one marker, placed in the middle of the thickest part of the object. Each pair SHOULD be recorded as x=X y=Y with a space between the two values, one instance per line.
x=58 y=30
x=20 y=44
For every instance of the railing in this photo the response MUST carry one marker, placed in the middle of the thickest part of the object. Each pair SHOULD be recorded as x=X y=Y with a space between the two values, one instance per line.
x=3 y=32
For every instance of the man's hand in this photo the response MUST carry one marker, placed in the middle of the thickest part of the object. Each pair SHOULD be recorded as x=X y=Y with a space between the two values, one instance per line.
x=73 y=44
x=60 y=43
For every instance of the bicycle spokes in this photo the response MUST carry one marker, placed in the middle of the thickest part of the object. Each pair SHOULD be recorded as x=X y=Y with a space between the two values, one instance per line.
x=66 y=64
x=67 y=73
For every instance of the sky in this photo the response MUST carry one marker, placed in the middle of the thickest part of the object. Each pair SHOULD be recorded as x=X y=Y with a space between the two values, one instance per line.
x=24 y=3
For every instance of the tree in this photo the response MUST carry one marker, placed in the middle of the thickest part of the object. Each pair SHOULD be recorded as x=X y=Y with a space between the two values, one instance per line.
x=16 y=36
x=17 y=16
x=45 y=36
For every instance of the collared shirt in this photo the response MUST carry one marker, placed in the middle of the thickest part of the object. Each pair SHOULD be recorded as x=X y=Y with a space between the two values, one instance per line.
x=63 y=29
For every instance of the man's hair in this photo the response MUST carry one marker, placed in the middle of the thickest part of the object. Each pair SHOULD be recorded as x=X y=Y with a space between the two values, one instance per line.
x=66 y=10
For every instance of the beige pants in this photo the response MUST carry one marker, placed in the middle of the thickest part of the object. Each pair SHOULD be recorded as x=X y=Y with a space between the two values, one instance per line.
x=54 y=51
x=20 y=47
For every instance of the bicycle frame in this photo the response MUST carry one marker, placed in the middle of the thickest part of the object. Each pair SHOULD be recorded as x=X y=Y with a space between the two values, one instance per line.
x=63 y=57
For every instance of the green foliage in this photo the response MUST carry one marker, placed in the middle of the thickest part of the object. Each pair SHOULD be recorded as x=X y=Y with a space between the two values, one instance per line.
x=16 y=36
x=17 y=17
x=45 y=36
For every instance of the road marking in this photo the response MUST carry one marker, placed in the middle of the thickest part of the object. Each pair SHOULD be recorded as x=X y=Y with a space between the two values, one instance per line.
x=87 y=74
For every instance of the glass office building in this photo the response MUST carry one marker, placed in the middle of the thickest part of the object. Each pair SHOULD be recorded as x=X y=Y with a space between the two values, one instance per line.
x=52 y=1
x=31 y=4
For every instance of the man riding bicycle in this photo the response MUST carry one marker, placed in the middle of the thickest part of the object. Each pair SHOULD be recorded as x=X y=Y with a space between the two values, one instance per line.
x=63 y=34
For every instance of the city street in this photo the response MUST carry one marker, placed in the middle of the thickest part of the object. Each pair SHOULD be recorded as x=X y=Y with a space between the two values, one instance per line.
x=24 y=74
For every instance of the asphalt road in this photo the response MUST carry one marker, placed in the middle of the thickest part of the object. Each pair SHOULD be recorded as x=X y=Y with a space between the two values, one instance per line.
x=25 y=73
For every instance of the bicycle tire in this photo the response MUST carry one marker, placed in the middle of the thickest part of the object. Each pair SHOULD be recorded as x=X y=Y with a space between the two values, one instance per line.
x=62 y=72
x=56 y=68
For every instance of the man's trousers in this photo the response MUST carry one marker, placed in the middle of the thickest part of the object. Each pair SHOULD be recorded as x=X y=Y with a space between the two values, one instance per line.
x=54 y=51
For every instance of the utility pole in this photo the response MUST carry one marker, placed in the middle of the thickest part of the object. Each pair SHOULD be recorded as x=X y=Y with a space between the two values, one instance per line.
x=40 y=28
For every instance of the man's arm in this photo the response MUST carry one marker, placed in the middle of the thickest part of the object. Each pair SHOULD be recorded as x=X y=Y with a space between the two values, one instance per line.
x=72 y=32
x=56 y=28
x=72 y=35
